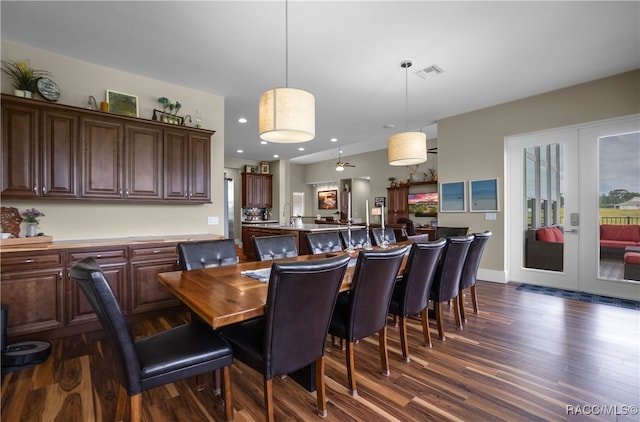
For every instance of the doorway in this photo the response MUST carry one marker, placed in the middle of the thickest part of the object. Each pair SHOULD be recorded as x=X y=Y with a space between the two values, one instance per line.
x=555 y=183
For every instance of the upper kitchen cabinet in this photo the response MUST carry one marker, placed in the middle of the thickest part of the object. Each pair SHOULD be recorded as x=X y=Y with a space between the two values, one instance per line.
x=56 y=151
x=256 y=190
x=39 y=150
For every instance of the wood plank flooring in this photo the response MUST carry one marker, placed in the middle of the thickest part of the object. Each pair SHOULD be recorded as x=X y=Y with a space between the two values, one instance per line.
x=525 y=357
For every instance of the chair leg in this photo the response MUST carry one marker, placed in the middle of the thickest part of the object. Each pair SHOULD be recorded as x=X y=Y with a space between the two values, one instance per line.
x=456 y=313
x=351 y=369
x=226 y=393
x=122 y=401
x=268 y=400
x=200 y=382
x=320 y=390
x=217 y=386
x=135 y=402
x=384 y=353
x=439 y=322
x=474 y=299
x=403 y=339
x=425 y=327
x=460 y=299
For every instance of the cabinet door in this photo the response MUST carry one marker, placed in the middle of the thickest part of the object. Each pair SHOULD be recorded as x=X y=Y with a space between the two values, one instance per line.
x=266 y=191
x=251 y=190
x=144 y=174
x=146 y=291
x=58 y=154
x=34 y=298
x=200 y=168
x=101 y=142
x=19 y=151
x=398 y=206
x=176 y=164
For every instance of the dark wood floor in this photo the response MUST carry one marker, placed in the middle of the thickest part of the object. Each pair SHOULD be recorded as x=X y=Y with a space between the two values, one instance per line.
x=525 y=357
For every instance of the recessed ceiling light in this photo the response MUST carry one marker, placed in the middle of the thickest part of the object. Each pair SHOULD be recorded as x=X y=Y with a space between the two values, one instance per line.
x=264 y=142
x=334 y=139
x=389 y=126
x=242 y=120
x=301 y=149
x=276 y=156
x=240 y=151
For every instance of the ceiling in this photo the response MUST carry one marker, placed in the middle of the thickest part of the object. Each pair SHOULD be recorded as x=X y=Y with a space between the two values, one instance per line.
x=347 y=54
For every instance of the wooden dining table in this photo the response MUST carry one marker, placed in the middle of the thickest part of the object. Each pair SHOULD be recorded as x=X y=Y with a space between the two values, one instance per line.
x=222 y=296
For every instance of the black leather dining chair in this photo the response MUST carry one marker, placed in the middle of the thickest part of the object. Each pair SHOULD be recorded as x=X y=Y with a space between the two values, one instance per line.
x=470 y=271
x=363 y=312
x=275 y=247
x=447 y=279
x=411 y=292
x=409 y=225
x=358 y=238
x=292 y=333
x=207 y=253
x=443 y=232
x=380 y=235
x=324 y=242
x=162 y=358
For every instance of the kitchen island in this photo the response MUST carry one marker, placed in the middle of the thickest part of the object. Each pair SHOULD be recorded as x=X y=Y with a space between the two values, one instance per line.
x=299 y=232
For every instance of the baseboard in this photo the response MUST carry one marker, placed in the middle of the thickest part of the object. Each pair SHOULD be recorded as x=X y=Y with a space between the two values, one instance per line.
x=492 y=275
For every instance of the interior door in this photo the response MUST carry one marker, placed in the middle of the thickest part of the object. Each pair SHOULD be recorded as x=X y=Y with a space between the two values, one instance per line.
x=580 y=180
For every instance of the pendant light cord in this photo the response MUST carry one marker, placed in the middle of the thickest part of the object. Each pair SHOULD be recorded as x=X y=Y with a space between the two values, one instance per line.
x=406 y=64
x=286 y=44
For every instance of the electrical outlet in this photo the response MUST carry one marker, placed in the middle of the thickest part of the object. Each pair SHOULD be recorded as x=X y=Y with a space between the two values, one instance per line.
x=212 y=221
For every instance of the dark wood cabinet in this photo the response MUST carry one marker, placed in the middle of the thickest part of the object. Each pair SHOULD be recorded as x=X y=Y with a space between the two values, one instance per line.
x=146 y=262
x=397 y=206
x=257 y=190
x=62 y=152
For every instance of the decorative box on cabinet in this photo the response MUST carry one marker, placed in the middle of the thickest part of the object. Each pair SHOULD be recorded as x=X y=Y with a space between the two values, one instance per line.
x=32 y=286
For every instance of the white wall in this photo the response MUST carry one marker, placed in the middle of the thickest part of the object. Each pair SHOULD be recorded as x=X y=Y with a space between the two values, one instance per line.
x=65 y=220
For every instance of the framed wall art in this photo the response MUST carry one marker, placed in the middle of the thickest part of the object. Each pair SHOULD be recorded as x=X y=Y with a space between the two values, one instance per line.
x=483 y=195
x=452 y=197
x=379 y=201
x=328 y=200
x=121 y=103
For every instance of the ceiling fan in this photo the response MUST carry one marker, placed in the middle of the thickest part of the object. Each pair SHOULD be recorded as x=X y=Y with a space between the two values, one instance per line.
x=340 y=165
x=433 y=150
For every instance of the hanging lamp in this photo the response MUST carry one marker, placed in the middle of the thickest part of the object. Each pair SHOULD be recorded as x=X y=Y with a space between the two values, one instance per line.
x=287 y=115
x=407 y=148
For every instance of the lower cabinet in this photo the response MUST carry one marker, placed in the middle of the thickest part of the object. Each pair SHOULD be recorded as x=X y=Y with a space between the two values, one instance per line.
x=43 y=302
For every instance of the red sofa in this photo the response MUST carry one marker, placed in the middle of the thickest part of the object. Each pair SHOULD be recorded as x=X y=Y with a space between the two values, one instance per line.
x=615 y=237
x=544 y=248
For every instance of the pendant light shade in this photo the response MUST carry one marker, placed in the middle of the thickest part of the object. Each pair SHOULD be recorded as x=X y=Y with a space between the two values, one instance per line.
x=287 y=115
x=407 y=148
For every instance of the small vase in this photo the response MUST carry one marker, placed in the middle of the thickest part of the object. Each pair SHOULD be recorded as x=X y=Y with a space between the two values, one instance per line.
x=32 y=230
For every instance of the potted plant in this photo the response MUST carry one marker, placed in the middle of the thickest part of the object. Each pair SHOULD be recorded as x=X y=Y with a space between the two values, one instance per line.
x=24 y=77
x=31 y=216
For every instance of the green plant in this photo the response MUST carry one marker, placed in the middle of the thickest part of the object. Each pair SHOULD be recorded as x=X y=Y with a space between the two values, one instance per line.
x=31 y=216
x=24 y=77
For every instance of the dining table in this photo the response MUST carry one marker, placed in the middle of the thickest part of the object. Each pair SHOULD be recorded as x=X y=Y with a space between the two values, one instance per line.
x=229 y=294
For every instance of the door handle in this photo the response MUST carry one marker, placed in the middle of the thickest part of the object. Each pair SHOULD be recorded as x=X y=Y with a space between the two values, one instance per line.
x=571 y=231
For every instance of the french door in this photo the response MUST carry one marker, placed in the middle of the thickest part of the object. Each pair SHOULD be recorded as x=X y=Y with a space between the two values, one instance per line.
x=555 y=178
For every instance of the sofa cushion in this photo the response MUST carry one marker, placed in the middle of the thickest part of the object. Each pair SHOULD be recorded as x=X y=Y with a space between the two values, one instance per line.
x=632 y=258
x=550 y=234
x=620 y=232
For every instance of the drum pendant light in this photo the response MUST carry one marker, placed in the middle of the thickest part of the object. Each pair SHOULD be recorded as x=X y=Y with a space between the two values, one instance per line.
x=407 y=148
x=287 y=115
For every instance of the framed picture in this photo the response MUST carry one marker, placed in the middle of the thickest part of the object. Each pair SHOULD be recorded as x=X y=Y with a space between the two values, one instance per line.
x=121 y=103
x=452 y=197
x=248 y=169
x=328 y=200
x=483 y=195
x=379 y=201
x=264 y=168
x=163 y=117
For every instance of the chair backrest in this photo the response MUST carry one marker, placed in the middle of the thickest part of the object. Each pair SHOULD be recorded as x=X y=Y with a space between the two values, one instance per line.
x=417 y=277
x=300 y=302
x=387 y=234
x=371 y=288
x=471 y=264
x=419 y=238
x=409 y=225
x=358 y=238
x=446 y=281
x=275 y=247
x=444 y=232
x=207 y=253
x=323 y=242
x=88 y=275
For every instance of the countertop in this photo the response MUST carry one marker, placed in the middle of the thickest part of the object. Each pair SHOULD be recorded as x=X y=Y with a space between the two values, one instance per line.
x=308 y=227
x=254 y=222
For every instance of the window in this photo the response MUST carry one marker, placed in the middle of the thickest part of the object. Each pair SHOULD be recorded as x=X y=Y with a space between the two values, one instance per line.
x=298 y=203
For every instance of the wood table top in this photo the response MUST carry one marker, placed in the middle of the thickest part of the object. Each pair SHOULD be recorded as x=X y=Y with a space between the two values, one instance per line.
x=223 y=296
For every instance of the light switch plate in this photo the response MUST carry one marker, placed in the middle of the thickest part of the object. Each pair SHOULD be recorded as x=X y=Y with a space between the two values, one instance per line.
x=489 y=215
x=212 y=221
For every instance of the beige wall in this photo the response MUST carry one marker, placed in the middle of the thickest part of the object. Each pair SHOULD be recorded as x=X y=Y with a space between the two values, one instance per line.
x=92 y=220
x=472 y=145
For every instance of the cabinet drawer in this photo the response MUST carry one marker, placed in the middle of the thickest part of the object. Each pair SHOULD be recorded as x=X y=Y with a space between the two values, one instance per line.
x=12 y=261
x=153 y=252
x=119 y=254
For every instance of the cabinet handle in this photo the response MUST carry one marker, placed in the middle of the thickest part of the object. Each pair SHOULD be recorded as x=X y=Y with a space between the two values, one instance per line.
x=35 y=190
x=156 y=251
x=28 y=261
x=126 y=192
x=98 y=256
x=44 y=189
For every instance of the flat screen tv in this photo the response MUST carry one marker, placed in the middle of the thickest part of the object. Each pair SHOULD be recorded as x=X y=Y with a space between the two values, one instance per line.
x=423 y=204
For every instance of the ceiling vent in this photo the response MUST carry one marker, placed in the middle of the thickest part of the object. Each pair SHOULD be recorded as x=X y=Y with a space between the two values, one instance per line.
x=429 y=72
